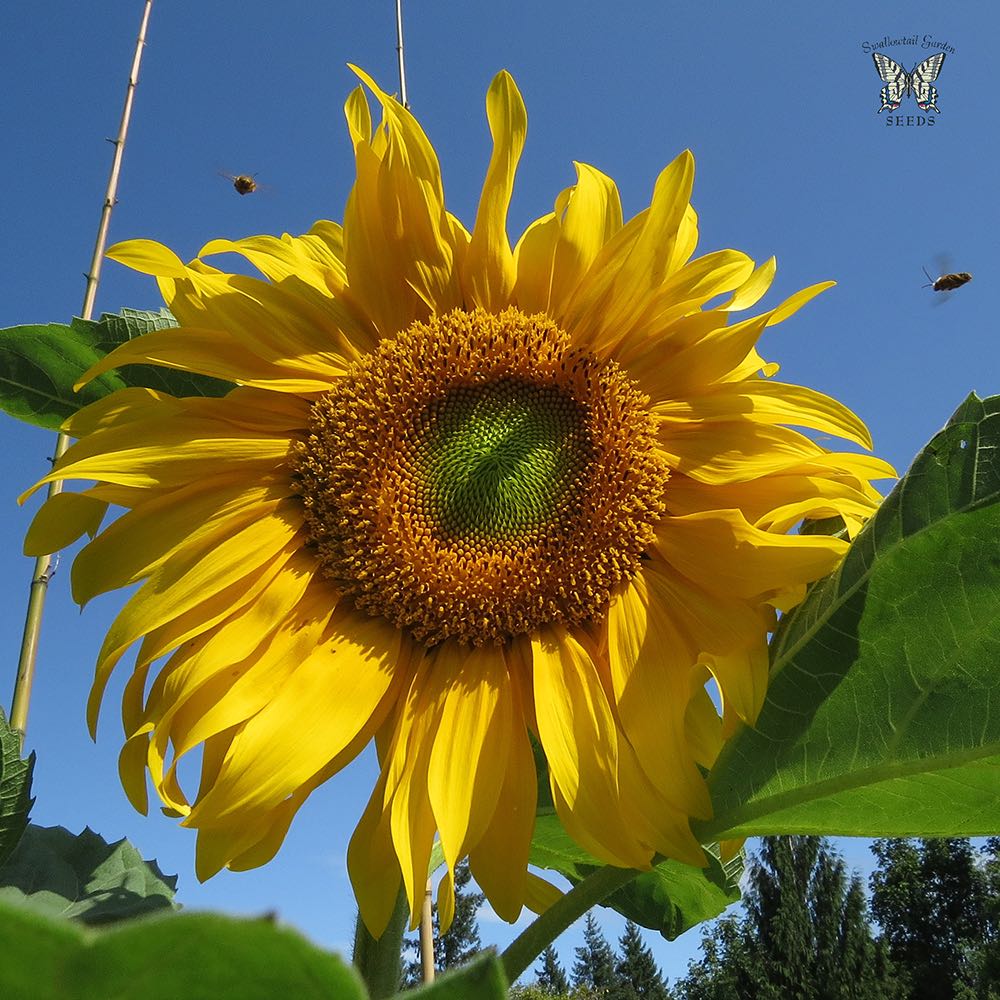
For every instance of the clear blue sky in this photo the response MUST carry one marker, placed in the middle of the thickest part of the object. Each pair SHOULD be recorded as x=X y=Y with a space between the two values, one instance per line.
x=778 y=102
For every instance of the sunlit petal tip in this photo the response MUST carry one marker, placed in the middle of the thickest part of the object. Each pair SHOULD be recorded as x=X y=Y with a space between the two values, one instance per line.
x=148 y=257
x=795 y=302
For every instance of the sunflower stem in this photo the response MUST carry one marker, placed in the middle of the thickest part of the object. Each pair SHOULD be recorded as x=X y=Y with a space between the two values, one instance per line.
x=535 y=938
x=380 y=960
x=44 y=565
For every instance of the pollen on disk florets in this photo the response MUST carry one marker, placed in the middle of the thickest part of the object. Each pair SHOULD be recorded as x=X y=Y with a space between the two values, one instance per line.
x=475 y=477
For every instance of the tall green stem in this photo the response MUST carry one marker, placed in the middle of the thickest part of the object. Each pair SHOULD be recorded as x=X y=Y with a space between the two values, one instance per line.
x=43 y=564
x=380 y=960
x=535 y=938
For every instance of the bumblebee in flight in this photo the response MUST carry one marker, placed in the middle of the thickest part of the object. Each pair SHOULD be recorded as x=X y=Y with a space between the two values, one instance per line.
x=947 y=282
x=243 y=183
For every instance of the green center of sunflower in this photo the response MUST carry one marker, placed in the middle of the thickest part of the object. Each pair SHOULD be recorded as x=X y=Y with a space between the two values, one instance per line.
x=476 y=478
x=501 y=457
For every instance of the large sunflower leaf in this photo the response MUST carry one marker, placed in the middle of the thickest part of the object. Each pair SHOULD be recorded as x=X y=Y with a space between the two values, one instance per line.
x=882 y=717
x=83 y=877
x=198 y=956
x=670 y=898
x=15 y=789
x=41 y=363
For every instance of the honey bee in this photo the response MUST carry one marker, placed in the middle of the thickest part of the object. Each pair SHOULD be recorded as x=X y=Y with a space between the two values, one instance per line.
x=947 y=282
x=243 y=183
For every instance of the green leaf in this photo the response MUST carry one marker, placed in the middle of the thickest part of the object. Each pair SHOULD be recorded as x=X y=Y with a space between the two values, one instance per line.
x=882 y=717
x=671 y=898
x=41 y=364
x=83 y=877
x=482 y=979
x=15 y=789
x=199 y=956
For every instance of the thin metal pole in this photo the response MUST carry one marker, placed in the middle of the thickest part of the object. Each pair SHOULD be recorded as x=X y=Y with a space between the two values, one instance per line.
x=44 y=565
x=399 y=53
x=427 y=937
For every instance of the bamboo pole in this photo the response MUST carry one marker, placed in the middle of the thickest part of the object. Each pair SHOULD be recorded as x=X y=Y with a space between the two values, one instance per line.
x=45 y=565
x=399 y=54
x=427 y=937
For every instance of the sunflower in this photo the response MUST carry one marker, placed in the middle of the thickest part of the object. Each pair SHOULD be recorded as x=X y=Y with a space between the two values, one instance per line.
x=463 y=499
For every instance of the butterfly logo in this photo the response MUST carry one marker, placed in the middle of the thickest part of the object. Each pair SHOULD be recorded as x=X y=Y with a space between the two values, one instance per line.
x=918 y=82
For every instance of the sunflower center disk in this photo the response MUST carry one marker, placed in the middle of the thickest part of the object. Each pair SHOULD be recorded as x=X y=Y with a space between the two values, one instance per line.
x=475 y=478
x=501 y=459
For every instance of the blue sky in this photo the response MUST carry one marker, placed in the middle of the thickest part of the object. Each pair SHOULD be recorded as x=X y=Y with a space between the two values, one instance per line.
x=778 y=102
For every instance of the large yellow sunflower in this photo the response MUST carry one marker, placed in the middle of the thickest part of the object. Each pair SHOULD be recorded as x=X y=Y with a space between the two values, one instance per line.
x=462 y=496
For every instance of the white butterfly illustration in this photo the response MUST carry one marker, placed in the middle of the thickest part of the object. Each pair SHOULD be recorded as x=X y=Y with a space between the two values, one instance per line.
x=900 y=84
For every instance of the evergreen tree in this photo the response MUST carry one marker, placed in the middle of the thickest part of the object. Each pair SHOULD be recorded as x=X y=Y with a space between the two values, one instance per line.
x=462 y=939
x=804 y=934
x=639 y=976
x=594 y=968
x=551 y=976
x=728 y=968
x=931 y=898
x=983 y=959
x=777 y=906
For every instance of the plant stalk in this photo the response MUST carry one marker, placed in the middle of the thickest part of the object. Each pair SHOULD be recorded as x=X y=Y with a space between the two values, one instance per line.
x=45 y=565
x=538 y=935
x=399 y=54
x=380 y=961
x=427 y=936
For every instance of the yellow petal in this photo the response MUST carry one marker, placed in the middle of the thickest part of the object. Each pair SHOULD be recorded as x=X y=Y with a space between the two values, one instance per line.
x=704 y=728
x=488 y=272
x=499 y=861
x=742 y=678
x=148 y=257
x=593 y=215
x=795 y=302
x=667 y=376
x=398 y=241
x=61 y=520
x=651 y=663
x=753 y=289
x=184 y=585
x=226 y=676
x=210 y=352
x=446 y=901
x=725 y=554
x=187 y=518
x=541 y=894
x=169 y=453
x=372 y=864
x=469 y=757
x=768 y=402
x=330 y=696
x=306 y=266
x=608 y=305
x=734 y=451
x=121 y=407
x=533 y=257
x=578 y=735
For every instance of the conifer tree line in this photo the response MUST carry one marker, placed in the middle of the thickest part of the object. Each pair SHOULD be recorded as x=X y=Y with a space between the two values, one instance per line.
x=927 y=929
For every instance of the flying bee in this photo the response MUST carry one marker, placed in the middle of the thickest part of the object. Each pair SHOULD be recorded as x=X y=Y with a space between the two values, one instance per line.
x=947 y=282
x=243 y=183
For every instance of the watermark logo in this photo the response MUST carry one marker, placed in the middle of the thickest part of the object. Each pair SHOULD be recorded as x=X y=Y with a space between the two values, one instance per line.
x=918 y=83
